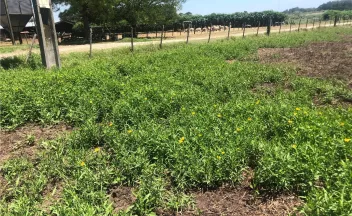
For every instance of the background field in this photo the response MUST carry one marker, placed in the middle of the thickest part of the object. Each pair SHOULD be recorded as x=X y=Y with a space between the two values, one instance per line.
x=150 y=132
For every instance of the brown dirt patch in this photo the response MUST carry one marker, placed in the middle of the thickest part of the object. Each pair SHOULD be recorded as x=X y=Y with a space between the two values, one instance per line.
x=3 y=185
x=51 y=194
x=322 y=60
x=121 y=197
x=24 y=141
x=240 y=201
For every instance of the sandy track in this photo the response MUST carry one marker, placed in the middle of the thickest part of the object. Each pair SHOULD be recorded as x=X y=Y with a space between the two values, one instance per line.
x=64 y=49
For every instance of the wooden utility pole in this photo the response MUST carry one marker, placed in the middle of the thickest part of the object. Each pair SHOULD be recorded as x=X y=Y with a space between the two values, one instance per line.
x=9 y=21
x=46 y=33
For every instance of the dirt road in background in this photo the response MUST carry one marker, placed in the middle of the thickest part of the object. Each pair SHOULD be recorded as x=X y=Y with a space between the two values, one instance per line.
x=64 y=49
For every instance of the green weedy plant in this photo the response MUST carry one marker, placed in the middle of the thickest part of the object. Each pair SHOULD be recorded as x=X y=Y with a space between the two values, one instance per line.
x=167 y=121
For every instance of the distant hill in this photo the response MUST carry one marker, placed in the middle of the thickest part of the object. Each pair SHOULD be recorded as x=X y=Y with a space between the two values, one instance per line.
x=300 y=10
x=336 y=5
x=331 y=5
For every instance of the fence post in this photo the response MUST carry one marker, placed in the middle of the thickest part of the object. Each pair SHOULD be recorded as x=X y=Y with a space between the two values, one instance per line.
x=280 y=28
x=335 y=21
x=244 y=30
x=258 y=28
x=268 y=30
x=313 y=23
x=228 y=34
x=189 y=26
x=290 y=26
x=132 y=48
x=307 y=23
x=211 y=28
x=299 y=25
x=161 y=38
x=90 y=41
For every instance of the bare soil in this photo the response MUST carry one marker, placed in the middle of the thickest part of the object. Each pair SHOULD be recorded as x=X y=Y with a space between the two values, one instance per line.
x=239 y=201
x=24 y=141
x=320 y=60
x=122 y=197
x=51 y=194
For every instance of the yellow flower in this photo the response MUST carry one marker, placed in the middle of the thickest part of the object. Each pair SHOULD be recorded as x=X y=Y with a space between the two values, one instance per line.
x=249 y=119
x=342 y=124
x=97 y=150
x=200 y=135
x=295 y=114
x=347 y=140
x=258 y=102
x=294 y=146
x=238 y=129
x=218 y=157
x=193 y=113
x=110 y=124
x=290 y=121
x=91 y=101
x=82 y=163
x=222 y=153
x=298 y=109
x=182 y=140
x=129 y=131
x=219 y=115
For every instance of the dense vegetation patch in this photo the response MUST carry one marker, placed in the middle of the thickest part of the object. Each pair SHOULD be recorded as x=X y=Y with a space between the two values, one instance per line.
x=166 y=121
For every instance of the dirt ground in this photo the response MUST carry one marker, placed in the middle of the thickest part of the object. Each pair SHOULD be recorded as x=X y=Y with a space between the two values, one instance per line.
x=24 y=141
x=321 y=60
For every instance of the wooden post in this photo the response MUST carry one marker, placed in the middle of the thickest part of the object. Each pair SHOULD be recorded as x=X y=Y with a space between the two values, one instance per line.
x=90 y=42
x=211 y=28
x=268 y=30
x=228 y=34
x=335 y=21
x=244 y=30
x=47 y=34
x=290 y=26
x=313 y=23
x=161 y=39
x=30 y=49
x=299 y=25
x=307 y=23
x=189 y=26
x=10 y=24
x=280 y=28
x=258 y=28
x=132 y=47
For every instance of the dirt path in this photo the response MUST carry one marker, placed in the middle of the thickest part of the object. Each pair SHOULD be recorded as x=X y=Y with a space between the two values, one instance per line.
x=178 y=39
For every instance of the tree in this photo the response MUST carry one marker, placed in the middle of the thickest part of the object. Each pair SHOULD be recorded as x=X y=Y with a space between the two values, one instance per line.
x=337 y=5
x=114 y=11
x=86 y=11
x=137 y=12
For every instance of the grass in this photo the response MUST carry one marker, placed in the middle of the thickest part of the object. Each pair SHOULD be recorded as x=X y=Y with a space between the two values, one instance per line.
x=10 y=48
x=166 y=121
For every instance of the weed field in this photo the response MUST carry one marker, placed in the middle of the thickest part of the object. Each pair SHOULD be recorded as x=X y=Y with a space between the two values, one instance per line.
x=198 y=129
